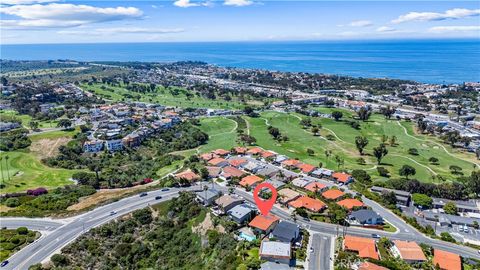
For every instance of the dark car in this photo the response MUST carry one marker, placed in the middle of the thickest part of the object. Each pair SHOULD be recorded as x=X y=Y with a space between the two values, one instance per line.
x=165 y=189
x=158 y=197
x=143 y=194
x=4 y=263
x=376 y=236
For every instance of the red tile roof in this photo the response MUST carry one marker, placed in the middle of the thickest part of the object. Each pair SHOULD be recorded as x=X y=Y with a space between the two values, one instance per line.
x=446 y=260
x=216 y=161
x=290 y=162
x=342 y=177
x=221 y=152
x=232 y=172
x=371 y=266
x=208 y=156
x=254 y=150
x=309 y=203
x=409 y=250
x=240 y=150
x=315 y=186
x=250 y=180
x=237 y=162
x=364 y=246
x=306 y=168
x=263 y=222
x=332 y=194
x=187 y=175
x=267 y=154
x=350 y=203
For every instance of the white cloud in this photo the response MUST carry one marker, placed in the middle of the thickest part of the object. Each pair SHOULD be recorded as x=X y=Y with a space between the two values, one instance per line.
x=237 y=3
x=122 y=30
x=185 y=3
x=361 y=23
x=25 y=2
x=455 y=28
x=64 y=15
x=385 y=29
x=456 y=13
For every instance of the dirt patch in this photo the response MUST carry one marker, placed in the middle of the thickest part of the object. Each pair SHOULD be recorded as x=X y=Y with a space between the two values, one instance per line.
x=103 y=195
x=4 y=208
x=45 y=148
x=206 y=225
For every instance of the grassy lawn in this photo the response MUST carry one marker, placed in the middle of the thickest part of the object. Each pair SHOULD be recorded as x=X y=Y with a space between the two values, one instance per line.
x=170 y=168
x=343 y=144
x=54 y=134
x=221 y=131
x=175 y=96
x=26 y=172
x=389 y=228
x=27 y=119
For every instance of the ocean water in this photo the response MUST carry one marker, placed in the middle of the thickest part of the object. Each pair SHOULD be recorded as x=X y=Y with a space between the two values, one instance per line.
x=430 y=61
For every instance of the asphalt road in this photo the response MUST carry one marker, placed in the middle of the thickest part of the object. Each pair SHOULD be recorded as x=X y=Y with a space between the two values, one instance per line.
x=42 y=225
x=320 y=255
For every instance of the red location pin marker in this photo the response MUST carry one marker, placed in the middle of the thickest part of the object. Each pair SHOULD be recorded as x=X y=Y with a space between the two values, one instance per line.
x=264 y=205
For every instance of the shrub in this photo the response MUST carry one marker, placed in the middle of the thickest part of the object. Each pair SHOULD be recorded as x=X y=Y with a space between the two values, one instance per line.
x=12 y=202
x=383 y=172
x=413 y=151
x=22 y=230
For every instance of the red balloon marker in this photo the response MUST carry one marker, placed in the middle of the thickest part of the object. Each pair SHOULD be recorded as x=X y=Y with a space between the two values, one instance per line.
x=264 y=205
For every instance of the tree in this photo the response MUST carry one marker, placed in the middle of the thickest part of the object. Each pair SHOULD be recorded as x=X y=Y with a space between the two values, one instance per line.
x=204 y=173
x=433 y=160
x=310 y=152
x=407 y=170
x=422 y=125
x=337 y=115
x=383 y=172
x=247 y=139
x=315 y=131
x=361 y=176
x=389 y=198
x=452 y=137
x=379 y=152
x=306 y=122
x=364 y=113
x=413 y=151
x=59 y=260
x=143 y=216
x=64 y=123
x=387 y=111
x=455 y=169
x=361 y=142
x=422 y=200
x=450 y=208
x=33 y=125
x=275 y=132
x=393 y=140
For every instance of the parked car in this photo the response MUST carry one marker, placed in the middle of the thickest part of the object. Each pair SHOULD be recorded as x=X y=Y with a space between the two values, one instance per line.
x=4 y=263
x=158 y=197
x=143 y=194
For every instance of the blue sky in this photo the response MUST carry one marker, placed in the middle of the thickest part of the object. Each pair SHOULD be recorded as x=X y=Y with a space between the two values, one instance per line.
x=50 y=21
